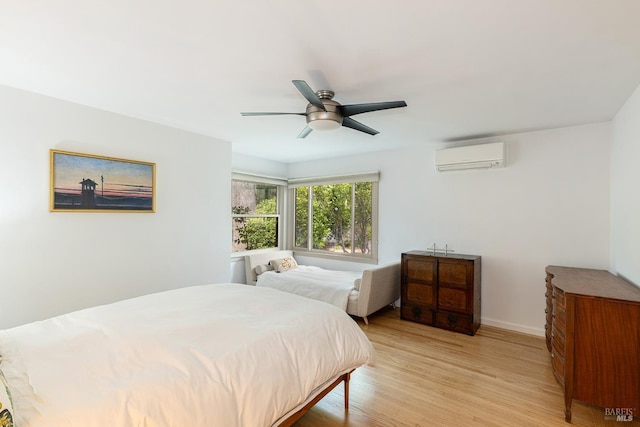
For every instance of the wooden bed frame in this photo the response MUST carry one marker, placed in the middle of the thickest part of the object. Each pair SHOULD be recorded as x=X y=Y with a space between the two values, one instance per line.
x=290 y=420
x=379 y=286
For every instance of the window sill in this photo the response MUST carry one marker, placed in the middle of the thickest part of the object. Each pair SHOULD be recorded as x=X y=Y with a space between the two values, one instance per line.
x=336 y=257
x=235 y=256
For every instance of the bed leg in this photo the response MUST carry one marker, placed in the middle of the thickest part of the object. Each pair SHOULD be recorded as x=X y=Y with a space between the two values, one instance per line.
x=366 y=321
x=346 y=391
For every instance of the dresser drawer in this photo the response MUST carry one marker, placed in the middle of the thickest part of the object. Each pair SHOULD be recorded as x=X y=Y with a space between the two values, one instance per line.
x=416 y=313
x=420 y=269
x=558 y=298
x=559 y=319
x=455 y=322
x=454 y=299
x=420 y=293
x=454 y=273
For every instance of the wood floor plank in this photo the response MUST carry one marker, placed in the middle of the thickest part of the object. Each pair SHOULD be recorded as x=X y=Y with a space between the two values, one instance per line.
x=426 y=376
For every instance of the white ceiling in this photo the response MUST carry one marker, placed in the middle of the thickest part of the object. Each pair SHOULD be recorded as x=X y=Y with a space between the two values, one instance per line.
x=466 y=68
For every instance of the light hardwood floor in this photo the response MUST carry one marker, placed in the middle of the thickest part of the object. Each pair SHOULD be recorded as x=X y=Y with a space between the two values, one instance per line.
x=426 y=376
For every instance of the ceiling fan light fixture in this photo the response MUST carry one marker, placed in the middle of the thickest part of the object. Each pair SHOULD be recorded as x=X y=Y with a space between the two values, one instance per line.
x=325 y=119
x=324 y=124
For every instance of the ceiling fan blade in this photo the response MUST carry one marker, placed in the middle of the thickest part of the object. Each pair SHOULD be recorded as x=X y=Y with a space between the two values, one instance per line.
x=306 y=131
x=350 y=123
x=350 y=110
x=308 y=93
x=272 y=114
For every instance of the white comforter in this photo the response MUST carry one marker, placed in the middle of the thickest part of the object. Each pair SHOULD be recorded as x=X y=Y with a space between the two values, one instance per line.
x=216 y=355
x=314 y=282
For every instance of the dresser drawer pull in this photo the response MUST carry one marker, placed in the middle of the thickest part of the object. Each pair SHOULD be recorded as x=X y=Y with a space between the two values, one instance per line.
x=416 y=311
x=452 y=320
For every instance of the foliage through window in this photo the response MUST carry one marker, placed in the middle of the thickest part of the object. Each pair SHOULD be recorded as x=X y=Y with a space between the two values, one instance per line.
x=335 y=218
x=256 y=215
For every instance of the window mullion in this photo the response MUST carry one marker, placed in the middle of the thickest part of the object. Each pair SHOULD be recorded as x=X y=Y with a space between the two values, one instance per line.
x=353 y=217
x=310 y=220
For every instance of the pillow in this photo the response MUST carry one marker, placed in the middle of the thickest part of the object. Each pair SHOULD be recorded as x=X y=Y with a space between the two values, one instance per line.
x=284 y=264
x=259 y=269
x=6 y=406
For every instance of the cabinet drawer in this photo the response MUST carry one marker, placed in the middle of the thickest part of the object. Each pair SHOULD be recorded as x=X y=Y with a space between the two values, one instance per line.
x=559 y=318
x=455 y=322
x=548 y=319
x=416 y=313
x=455 y=273
x=420 y=293
x=558 y=298
x=420 y=269
x=455 y=299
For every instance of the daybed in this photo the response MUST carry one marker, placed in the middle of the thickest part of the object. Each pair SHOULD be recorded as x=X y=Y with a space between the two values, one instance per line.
x=202 y=356
x=358 y=293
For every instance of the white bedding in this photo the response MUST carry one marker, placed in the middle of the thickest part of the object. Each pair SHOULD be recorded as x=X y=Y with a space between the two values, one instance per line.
x=214 y=355
x=314 y=282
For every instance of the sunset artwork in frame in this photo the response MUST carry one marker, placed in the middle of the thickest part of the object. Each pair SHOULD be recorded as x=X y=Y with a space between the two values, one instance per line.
x=87 y=183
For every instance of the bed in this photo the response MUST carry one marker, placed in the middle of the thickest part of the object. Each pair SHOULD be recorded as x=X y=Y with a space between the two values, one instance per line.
x=212 y=355
x=358 y=293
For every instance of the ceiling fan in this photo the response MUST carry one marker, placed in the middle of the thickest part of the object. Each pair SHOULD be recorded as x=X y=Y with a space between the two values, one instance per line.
x=323 y=113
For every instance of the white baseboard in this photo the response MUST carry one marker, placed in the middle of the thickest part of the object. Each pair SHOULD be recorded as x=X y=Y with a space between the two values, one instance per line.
x=513 y=327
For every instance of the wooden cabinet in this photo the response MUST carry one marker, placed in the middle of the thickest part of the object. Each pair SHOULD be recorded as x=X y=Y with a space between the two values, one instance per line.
x=593 y=335
x=441 y=291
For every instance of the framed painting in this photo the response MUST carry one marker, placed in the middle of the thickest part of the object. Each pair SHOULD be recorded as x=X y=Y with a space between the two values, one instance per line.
x=86 y=183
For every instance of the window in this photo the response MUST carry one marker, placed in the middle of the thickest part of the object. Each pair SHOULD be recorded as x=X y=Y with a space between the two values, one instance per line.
x=336 y=216
x=255 y=210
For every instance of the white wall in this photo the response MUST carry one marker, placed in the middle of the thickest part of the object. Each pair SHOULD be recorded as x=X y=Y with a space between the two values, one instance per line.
x=625 y=192
x=550 y=205
x=51 y=263
x=258 y=166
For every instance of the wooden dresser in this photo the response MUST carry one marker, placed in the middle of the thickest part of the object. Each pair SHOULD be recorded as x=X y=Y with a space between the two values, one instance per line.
x=441 y=291
x=593 y=335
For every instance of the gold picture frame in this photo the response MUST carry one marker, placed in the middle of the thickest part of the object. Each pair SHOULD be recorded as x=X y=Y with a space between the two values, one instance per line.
x=89 y=183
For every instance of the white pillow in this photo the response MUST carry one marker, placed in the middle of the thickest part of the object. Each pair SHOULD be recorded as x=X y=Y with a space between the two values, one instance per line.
x=284 y=264
x=6 y=406
x=259 y=269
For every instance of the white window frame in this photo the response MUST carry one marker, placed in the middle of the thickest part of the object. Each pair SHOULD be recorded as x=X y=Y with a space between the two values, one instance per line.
x=293 y=183
x=281 y=204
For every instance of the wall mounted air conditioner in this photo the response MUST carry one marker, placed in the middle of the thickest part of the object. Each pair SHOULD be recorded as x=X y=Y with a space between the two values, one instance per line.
x=482 y=156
